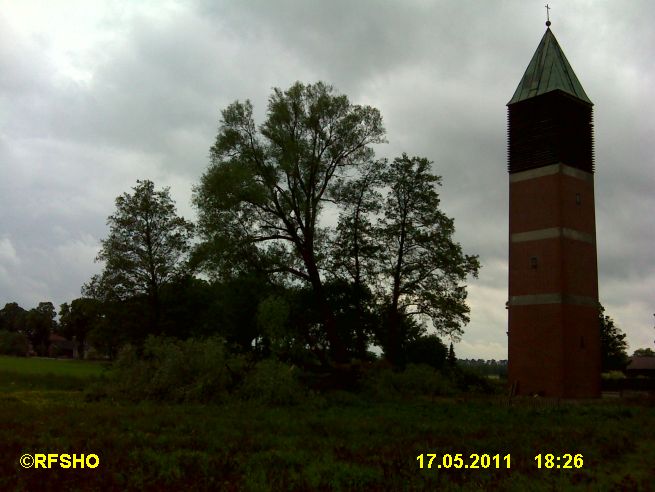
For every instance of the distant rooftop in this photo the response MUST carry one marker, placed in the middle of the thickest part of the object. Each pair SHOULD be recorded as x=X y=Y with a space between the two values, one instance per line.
x=548 y=71
x=641 y=363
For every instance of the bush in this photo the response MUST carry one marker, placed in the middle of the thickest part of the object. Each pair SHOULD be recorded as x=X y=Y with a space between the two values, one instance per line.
x=428 y=350
x=272 y=382
x=13 y=343
x=415 y=380
x=470 y=381
x=174 y=370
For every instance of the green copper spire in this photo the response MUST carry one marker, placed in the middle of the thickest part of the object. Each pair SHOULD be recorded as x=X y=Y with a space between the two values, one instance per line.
x=548 y=71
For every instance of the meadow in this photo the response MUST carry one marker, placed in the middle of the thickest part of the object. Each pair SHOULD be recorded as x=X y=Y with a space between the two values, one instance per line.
x=333 y=441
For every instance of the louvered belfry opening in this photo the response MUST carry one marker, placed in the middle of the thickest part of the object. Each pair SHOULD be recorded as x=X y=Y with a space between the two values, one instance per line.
x=548 y=129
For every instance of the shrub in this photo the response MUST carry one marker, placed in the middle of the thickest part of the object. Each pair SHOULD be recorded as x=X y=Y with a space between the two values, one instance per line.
x=415 y=380
x=428 y=350
x=470 y=381
x=174 y=370
x=13 y=343
x=613 y=375
x=272 y=382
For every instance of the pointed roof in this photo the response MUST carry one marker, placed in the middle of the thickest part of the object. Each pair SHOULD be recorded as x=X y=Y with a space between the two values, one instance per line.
x=548 y=71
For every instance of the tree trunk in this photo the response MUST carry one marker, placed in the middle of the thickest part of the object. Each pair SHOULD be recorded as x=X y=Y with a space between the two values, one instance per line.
x=337 y=348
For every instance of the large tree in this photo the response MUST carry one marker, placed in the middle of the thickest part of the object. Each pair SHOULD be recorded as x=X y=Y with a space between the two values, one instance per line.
x=146 y=247
x=614 y=355
x=423 y=269
x=39 y=324
x=12 y=317
x=354 y=249
x=261 y=199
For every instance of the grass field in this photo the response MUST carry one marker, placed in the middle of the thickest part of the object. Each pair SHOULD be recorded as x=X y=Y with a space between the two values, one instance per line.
x=21 y=373
x=57 y=367
x=340 y=442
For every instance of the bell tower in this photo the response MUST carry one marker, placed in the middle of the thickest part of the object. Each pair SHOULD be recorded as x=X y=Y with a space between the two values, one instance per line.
x=553 y=333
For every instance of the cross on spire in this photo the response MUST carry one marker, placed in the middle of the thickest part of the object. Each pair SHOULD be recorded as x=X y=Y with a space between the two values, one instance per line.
x=547 y=16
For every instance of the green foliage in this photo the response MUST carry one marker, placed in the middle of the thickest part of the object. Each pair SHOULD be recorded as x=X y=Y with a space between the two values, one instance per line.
x=451 y=359
x=189 y=308
x=146 y=248
x=428 y=350
x=273 y=321
x=196 y=371
x=341 y=444
x=39 y=324
x=19 y=374
x=614 y=354
x=613 y=375
x=13 y=343
x=414 y=380
x=78 y=319
x=644 y=352
x=12 y=317
x=234 y=309
x=470 y=381
x=492 y=367
x=272 y=382
x=173 y=370
x=260 y=201
x=424 y=266
x=392 y=254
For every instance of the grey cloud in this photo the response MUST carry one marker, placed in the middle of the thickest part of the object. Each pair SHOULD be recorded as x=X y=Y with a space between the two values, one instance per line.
x=441 y=73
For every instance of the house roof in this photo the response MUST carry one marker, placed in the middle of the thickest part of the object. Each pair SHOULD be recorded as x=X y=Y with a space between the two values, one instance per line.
x=549 y=70
x=641 y=363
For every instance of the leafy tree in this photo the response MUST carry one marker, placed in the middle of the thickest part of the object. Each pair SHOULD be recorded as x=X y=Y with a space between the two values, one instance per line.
x=354 y=249
x=261 y=199
x=644 y=352
x=146 y=248
x=452 y=359
x=235 y=309
x=614 y=354
x=423 y=268
x=188 y=308
x=13 y=343
x=428 y=349
x=118 y=322
x=39 y=324
x=12 y=317
x=78 y=319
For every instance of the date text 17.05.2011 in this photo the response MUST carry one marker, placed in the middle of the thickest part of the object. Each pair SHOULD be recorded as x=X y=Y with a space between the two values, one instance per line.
x=459 y=460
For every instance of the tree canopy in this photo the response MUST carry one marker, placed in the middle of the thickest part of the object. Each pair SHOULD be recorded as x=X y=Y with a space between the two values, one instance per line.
x=308 y=247
x=146 y=247
x=424 y=266
x=614 y=356
x=261 y=199
x=262 y=208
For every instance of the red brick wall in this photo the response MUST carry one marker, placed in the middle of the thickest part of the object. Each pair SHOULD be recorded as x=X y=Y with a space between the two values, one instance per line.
x=536 y=358
x=554 y=349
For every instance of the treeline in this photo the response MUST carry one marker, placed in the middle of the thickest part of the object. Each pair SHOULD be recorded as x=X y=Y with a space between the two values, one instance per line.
x=23 y=330
x=484 y=367
x=306 y=246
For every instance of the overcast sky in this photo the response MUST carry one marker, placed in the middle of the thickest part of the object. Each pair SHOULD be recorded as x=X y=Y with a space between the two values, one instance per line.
x=95 y=95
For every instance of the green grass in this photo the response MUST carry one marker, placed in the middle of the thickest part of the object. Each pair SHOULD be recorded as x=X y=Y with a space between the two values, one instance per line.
x=57 y=367
x=21 y=373
x=340 y=443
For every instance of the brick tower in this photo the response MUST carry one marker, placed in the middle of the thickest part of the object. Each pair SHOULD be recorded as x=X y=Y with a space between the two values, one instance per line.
x=553 y=335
